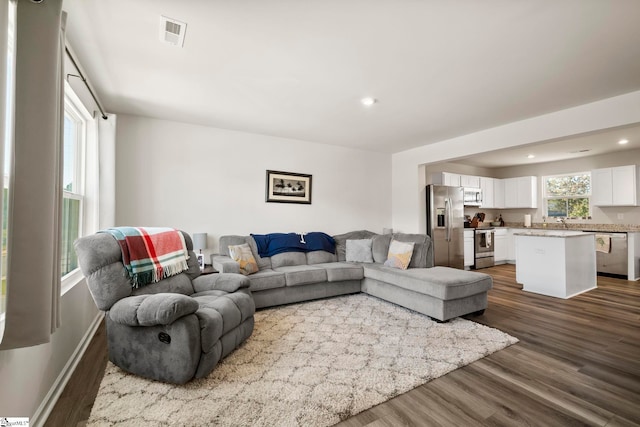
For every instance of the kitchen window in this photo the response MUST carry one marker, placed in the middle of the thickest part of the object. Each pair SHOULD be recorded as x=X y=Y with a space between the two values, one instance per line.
x=567 y=195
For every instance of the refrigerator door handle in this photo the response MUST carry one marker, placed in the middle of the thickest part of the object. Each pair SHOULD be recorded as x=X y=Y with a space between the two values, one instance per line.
x=450 y=219
x=447 y=220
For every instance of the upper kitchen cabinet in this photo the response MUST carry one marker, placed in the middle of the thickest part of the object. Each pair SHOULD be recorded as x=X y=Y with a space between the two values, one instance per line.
x=498 y=193
x=446 y=178
x=521 y=192
x=469 y=181
x=617 y=186
x=487 y=185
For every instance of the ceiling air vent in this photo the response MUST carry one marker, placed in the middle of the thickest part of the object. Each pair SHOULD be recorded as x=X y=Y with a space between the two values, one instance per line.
x=172 y=31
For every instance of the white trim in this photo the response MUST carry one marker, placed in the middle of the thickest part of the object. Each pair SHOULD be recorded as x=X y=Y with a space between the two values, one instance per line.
x=71 y=279
x=48 y=403
x=76 y=103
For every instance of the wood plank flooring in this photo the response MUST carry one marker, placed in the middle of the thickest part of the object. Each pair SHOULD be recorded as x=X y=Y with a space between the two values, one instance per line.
x=577 y=363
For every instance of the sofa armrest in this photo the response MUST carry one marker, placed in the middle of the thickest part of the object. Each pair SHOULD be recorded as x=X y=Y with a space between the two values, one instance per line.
x=150 y=310
x=228 y=282
x=224 y=264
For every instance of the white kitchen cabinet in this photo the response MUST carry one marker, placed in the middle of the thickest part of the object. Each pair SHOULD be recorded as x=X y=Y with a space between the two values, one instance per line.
x=469 y=249
x=487 y=187
x=470 y=181
x=521 y=192
x=498 y=193
x=446 y=178
x=617 y=186
x=500 y=246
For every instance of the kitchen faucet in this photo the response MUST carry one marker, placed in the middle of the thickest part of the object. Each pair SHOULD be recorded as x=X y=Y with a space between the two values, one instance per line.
x=563 y=221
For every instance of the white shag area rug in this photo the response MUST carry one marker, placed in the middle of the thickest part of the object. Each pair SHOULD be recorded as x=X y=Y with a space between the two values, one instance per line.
x=309 y=364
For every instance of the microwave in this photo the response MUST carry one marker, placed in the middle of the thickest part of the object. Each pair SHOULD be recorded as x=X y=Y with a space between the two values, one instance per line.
x=472 y=197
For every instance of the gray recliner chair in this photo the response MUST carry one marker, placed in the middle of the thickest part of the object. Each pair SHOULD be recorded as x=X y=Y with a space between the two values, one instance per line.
x=174 y=330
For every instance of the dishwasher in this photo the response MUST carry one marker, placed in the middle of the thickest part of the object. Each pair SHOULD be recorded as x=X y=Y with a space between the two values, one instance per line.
x=611 y=258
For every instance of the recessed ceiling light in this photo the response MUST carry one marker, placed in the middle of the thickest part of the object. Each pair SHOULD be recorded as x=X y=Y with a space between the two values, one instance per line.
x=368 y=101
x=530 y=156
x=623 y=141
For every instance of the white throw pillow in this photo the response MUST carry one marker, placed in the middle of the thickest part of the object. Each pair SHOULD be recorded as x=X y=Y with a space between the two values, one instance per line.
x=359 y=250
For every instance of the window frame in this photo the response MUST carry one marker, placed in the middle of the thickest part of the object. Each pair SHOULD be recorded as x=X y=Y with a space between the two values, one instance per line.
x=76 y=109
x=7 y=138
x=546 y=197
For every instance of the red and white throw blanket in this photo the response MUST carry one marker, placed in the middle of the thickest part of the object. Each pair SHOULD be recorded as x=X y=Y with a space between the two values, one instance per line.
x=151 y=253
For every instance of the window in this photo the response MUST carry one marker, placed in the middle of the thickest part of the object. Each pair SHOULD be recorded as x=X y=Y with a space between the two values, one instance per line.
x=72 y=183
x=7 y=149
x=568 y=196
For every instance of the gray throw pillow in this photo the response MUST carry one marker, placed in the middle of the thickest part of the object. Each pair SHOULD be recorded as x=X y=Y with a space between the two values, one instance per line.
x=359 y=250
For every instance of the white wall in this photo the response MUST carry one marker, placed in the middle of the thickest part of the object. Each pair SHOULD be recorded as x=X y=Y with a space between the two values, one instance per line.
x=408 y=167
x=600 y=215
x=203 y=179
x=29 y=376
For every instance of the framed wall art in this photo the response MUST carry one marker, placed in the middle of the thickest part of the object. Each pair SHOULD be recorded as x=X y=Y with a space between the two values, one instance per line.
x=288 y=187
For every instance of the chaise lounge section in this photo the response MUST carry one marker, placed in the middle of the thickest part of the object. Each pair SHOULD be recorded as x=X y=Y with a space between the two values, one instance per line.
x=441 y=293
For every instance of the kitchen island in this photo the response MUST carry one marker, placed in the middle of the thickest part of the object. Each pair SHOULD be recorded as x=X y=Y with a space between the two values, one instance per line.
x=558 y=263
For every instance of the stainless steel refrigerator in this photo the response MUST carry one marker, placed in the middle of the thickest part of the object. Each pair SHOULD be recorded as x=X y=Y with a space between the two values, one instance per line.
x=445 y=224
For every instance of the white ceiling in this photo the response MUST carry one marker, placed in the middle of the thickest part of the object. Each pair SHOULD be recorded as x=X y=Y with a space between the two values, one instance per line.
x=297 y=69
x=591 y=144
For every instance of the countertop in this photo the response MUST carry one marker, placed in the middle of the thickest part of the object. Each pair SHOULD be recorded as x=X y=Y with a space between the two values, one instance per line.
x=553 y=233
x=602 y=228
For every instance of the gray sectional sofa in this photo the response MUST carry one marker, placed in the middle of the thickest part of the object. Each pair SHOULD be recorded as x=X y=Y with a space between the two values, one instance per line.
x=441 y=293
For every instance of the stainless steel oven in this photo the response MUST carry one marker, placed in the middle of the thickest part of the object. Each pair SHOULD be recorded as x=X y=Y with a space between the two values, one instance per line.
x=483 y=246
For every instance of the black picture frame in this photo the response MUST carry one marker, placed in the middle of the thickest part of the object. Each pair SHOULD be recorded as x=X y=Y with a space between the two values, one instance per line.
x=288 y=187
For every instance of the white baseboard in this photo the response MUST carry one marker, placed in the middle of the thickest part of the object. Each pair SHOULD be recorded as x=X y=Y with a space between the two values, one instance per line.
x=45 y=408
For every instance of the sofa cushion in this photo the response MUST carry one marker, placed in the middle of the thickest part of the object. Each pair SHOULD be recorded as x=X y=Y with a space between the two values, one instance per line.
x=220 y=314
x=399 y=254
x=211 y=324
x=288 y=258
x=359 y=250
x=320 y=257
x=341 y=241
x=444 y=283
x=266 y=279
x=174 y=284
x=341 y=271
x=380 y=247
x=296 y=275
x=421 y=257
x=245 y=259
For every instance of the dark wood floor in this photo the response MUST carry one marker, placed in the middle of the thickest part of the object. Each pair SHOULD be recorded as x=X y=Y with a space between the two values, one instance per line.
x=577 y=363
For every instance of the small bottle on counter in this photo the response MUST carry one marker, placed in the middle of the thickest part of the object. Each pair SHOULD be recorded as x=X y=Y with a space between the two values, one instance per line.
x=544 y=222
x=501 y=221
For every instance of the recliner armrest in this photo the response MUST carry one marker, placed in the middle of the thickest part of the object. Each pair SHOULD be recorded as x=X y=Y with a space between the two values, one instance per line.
x=228 y=282
x=150 y=310
x=224 y=264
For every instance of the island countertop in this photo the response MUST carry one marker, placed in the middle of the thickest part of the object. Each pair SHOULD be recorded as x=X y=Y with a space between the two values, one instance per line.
x=572 y=226
x=553 y=233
